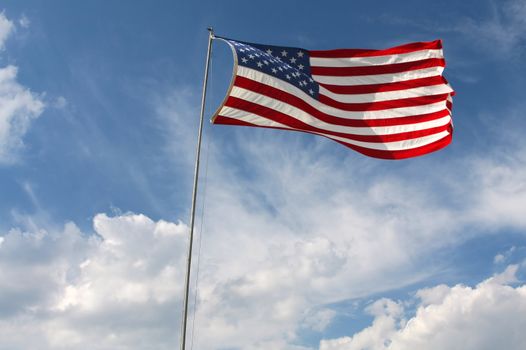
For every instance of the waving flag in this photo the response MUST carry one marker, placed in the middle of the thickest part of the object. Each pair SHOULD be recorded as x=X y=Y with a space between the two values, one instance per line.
x=390 y=104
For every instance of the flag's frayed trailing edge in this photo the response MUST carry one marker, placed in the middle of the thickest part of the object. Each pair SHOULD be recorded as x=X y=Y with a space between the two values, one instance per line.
x=390 y=104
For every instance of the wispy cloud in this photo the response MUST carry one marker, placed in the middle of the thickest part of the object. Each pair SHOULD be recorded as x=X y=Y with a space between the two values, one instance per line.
x=24 y=21
x=496 y=27
x=18 y=105
x=6 y=28
x=503 y=33
x=177 y=116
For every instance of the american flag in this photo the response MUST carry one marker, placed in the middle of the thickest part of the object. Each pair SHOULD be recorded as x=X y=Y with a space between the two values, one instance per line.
x=391 y=104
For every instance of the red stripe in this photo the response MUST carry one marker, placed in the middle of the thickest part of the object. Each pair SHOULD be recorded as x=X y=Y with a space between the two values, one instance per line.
x=221 y=119
x=396 y=86
x=414 y=152
x=285 y=119
x=339 y=53
x=403 y=154
x=383 y=69
x=297 y=102
x=380 y=105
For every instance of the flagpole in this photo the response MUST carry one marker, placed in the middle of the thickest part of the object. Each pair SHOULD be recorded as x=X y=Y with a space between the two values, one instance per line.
x=194 y=194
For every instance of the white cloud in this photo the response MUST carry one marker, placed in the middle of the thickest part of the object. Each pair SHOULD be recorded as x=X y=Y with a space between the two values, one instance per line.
x=18 y=105
x=499 y=258
x=488 y=316
x=34 y=264
x=502 y=191
x=6 y=27
x=18 y=108
x=505 y=256
x=121 y=289
x=318 y=320
x=387 y=315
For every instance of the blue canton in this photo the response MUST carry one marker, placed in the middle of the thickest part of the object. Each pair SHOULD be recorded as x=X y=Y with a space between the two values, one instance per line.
x=289 y=64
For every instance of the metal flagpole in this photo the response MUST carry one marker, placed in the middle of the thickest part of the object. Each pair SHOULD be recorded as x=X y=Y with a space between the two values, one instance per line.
x=194 y=194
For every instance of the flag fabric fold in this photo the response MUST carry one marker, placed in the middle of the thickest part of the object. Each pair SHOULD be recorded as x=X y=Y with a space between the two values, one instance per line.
x=389 y=104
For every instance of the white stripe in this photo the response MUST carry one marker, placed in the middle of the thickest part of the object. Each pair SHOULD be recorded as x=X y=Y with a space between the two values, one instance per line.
x=379 y=78
x=375 y=60
x=310 y=120
x=396 y=145
x=291 y=89
x=385 y=146
x=387 y=95
x=249 y=117
x=450 y=100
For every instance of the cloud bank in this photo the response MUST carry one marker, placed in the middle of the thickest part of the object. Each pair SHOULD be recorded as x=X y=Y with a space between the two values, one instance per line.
x=118 y=289
x=121 y=288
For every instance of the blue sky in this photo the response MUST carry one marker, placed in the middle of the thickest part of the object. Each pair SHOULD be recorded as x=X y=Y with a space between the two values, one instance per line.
x=305 y=244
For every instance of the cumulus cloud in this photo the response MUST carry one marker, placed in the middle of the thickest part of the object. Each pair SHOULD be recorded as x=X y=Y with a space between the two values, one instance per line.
x=18 y=105
x=487 y=316
x=119 y=288
x=122 y=286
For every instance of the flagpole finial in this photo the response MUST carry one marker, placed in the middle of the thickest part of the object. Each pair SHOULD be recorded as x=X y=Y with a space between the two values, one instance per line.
x=211 y=32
